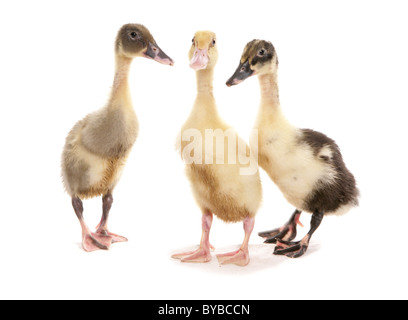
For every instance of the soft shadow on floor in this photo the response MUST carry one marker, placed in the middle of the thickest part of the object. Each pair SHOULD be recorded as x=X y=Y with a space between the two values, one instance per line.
x=261 y=255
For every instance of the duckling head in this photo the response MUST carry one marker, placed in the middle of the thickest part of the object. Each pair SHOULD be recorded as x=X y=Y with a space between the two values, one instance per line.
x=135 y=40
x=203 y=53
x=259 y=57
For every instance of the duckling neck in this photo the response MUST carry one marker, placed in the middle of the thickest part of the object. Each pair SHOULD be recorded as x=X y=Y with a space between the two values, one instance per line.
x=270 y=114
x=205 y=105
x=120 y=96
x=205 y=81
x=269 y=89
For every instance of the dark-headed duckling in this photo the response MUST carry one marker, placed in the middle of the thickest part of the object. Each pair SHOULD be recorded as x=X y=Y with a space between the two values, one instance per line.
x=306 y=165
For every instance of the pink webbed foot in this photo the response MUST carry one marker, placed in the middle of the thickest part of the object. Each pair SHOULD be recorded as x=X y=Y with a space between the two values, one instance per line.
x=102 y=238
x=201 y=255
x=100 y=241
x=239 y=258
x=92 y=242
x=114 y=237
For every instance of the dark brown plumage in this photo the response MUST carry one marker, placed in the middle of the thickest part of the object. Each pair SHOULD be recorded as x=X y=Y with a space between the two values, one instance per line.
x=329 y=197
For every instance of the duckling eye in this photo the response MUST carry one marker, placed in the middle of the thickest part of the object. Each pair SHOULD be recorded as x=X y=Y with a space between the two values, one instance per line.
x=261 y=52
x=213 y=42
x=133 y=35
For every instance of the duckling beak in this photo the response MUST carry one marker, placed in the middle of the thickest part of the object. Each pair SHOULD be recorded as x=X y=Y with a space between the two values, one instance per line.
x=154 y=52
x=200 y=59
x=243 y=71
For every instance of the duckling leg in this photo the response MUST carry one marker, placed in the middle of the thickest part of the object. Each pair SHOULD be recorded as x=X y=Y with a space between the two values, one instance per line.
x=102 y=228
x=90 y=241
x=287 y=232
x=241 y=256
x=202 y=254
x=297 y=249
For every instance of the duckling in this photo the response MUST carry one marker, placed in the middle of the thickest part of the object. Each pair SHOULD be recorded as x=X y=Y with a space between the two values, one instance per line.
x=306 y=165
x=97 y=147
x=220 y=187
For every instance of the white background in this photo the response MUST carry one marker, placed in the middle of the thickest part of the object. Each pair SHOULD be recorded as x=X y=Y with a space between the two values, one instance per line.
x=343 y=71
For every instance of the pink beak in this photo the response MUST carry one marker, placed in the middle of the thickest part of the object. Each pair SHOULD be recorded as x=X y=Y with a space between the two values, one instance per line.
x=200 y=59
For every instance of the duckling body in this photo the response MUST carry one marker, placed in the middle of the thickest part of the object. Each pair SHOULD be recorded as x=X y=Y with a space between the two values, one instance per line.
x=97 y=147
x=312 y=161
x=220 y=187
x=217 y=184
x=306 y=165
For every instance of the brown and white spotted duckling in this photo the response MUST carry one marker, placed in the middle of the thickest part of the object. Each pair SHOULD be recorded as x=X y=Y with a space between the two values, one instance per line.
x=219 y=184
x=306 y=165
x=97 y=147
